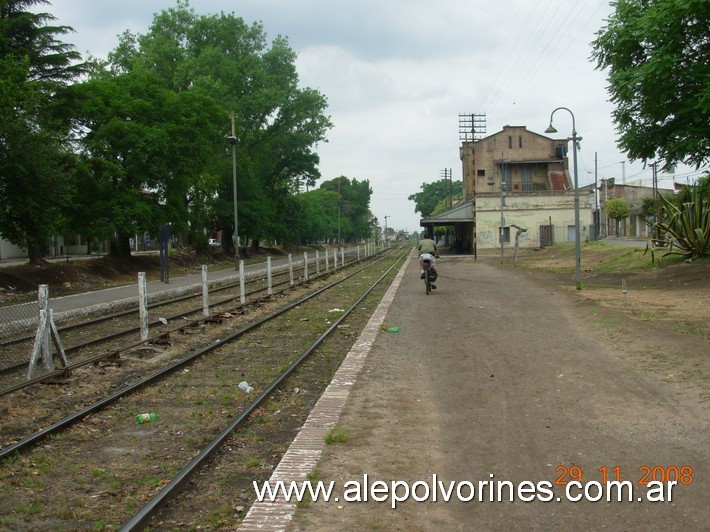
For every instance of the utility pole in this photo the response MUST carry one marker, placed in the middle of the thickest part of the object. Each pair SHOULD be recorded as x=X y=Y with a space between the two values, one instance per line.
x=339 y=202
x=655 y=198
x=233 y=141
x=446 y=174
x=502 y=203
x=596 y=201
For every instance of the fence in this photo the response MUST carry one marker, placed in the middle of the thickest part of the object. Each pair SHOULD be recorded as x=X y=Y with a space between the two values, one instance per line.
x=26 y=320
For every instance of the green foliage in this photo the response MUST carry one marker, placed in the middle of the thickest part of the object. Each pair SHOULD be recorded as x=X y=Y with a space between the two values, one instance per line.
x=354 y=207
x=617 y=208
x=659 y=78
x=276 y=123
x=686 y=227
x=36 y=164
x=147 y=151
x=142 y=141
x=433 y=194
x=337 y=434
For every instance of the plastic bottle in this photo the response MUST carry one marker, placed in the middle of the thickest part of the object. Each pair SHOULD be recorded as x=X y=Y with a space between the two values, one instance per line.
x=146 y=418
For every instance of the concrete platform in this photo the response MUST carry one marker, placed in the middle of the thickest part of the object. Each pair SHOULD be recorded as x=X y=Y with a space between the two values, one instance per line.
x=492 y=383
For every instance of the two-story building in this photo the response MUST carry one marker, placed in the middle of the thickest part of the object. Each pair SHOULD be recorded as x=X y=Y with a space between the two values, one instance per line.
x=515 y=179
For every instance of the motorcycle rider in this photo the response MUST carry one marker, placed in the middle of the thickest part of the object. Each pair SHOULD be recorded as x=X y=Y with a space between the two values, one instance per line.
x=428 y=251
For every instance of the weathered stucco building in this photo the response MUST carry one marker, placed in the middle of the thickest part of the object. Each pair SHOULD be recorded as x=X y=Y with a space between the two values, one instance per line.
x=515 y=179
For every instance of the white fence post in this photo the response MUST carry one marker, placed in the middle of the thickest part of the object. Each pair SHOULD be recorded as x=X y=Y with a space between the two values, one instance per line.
x=45 y=328
x=242 y=292
x=43 y=297
x=342 y=257
x=335 y=259
x=290 y=268
x=143 y=305
x=327 y=266
x=317 y=263
x=305 y=267
x=205 y=292
x=269 y=281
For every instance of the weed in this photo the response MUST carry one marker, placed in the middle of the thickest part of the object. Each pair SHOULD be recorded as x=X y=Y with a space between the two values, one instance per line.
x=253 y=463
x=337 y=435
x=306 y=501
x=98 y=473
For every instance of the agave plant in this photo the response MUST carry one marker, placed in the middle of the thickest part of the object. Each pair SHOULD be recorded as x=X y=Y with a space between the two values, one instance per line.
x=686 y=226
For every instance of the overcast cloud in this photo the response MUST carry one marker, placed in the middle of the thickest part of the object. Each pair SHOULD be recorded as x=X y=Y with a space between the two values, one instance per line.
x=397 y=74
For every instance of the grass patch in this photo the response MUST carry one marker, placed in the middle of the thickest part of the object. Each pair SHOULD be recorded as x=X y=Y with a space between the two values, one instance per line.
x=254 y=463
x=306 y=501
x=600 y=257
x=337 y=435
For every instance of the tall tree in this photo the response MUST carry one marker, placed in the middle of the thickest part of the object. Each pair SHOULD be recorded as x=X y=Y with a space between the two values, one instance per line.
x=432 y=194
x=354 y=201
x=277 y=123
x=147 y=148
x=656 y=53
x=36 y=163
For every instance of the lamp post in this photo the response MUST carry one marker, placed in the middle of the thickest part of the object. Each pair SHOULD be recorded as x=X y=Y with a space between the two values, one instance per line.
x=577 y=246
x=233 y=141
x=386 y=240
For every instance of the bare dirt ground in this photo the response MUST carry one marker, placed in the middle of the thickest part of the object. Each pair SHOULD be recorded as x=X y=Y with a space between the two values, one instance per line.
x=510 y=374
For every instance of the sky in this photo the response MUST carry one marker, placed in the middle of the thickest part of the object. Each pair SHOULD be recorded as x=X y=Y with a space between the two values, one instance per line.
x=397 y=75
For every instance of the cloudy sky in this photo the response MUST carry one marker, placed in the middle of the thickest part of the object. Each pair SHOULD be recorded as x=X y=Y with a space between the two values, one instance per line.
x=398 y=73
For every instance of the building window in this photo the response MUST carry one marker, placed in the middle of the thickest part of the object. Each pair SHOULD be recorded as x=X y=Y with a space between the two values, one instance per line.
x=510 y=142
x=527 y=179
x=504 y=235
x=481 y=173
x=520 y=141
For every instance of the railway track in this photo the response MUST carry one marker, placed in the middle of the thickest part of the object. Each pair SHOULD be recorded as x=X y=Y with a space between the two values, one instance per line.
x=104 y=336
x=228 y=403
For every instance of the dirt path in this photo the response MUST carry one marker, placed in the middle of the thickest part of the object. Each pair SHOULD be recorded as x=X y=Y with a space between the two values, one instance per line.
x=495 y=374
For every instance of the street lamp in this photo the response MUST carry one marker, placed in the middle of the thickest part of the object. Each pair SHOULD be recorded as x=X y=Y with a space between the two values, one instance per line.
x=386 y=240
x=232 y=139
x=577 y=247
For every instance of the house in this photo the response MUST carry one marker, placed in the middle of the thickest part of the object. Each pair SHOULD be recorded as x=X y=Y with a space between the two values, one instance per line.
x=638 y=198
x=515 y=179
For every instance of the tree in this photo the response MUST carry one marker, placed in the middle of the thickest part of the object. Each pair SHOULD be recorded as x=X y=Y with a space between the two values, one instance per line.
x=432 y=194
x=146 y=149
x=354 y=207
x=659 y=78
x=277 y=123
x=36 y=163
x=618 y=209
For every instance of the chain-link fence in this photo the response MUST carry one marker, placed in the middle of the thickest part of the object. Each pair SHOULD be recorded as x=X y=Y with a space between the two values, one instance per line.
x=18 y=321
